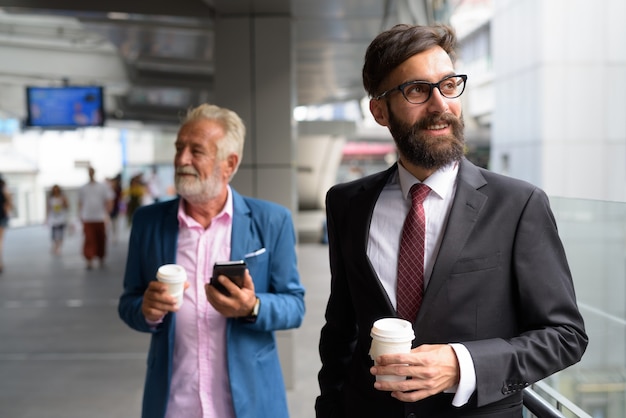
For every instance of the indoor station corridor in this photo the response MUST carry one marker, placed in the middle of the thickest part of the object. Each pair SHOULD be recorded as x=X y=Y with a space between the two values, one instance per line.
x=66 y=354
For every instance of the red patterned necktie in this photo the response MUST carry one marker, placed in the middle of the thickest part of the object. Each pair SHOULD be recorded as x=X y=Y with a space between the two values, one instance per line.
x=410 y=287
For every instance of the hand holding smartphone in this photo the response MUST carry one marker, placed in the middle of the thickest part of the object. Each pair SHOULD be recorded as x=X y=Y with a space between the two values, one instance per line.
x=234 y=270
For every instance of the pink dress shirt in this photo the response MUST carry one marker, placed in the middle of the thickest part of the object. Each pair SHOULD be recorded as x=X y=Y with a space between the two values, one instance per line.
x=200 y=386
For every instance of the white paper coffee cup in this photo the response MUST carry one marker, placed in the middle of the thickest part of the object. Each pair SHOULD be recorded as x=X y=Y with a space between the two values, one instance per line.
x=175 y=277
x=390 y=336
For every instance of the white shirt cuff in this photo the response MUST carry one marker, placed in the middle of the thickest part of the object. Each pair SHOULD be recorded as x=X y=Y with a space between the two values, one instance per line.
x=467 y=381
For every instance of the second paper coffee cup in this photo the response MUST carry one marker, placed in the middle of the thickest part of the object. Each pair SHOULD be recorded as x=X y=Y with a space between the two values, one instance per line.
x=390 y=336
x=175 y=277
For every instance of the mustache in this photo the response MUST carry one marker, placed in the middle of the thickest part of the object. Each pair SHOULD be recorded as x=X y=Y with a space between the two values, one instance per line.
x=187 y=170
x=430 y=120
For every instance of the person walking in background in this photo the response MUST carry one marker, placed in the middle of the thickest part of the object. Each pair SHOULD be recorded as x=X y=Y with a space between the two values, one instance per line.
x=95 y=200
x=136 y=195
x=215 y=355
x=493 y=309
x=154 y=185
x=116 y=186
x=56 y=217
x=6 y=205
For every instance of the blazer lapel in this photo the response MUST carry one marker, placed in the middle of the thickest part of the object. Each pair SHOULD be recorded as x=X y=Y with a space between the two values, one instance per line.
x=241 y=231
x=467 y=204
x=170 y=232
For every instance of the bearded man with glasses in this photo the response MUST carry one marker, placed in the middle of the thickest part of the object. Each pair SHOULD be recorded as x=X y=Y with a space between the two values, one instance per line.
x=494 y=308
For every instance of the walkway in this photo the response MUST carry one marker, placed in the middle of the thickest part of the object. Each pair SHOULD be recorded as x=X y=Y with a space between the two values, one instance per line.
x=64 y=352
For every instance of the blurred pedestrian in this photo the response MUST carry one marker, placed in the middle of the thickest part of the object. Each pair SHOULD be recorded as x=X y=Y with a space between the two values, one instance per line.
x=6 y=205
x=136 y=196
x=94 y=205
x=57 y=209
x=116 y=186
x=155 y=188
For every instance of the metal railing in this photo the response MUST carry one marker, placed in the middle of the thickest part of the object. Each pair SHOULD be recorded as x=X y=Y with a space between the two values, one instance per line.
x=552 y=405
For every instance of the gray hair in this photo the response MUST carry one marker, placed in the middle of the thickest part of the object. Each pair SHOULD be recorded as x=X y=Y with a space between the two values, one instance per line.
x=235 y=130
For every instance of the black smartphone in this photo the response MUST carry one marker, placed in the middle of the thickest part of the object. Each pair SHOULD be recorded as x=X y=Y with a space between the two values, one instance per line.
x=234 y=270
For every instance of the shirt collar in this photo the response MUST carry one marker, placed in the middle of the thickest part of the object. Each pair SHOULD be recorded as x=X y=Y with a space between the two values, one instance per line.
x=187 y=221
x=441 y=181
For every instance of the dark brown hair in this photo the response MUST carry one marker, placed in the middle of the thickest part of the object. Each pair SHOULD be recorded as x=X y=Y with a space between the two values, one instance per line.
x=394 y=46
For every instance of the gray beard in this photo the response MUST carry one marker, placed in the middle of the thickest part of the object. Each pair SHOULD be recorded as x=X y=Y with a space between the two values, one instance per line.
x=199 y=191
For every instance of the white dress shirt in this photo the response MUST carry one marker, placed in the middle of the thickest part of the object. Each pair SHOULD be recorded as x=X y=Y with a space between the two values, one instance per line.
x=384 y=244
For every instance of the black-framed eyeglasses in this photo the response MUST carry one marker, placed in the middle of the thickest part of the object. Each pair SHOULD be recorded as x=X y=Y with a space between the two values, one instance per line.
x=418 y=92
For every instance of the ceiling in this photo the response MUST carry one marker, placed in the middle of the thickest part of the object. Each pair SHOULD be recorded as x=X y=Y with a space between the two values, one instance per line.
x=155 y=58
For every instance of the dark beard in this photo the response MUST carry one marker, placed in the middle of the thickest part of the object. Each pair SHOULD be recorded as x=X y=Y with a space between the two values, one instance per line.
x=421 y=149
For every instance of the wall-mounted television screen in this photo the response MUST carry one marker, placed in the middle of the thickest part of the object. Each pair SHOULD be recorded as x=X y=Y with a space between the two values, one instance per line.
x=65 y=107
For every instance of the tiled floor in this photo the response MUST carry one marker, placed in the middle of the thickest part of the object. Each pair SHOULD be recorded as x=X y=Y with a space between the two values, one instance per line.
x=64 y=353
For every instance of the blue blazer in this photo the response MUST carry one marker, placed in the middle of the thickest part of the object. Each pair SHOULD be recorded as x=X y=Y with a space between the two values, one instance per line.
x=254 y=369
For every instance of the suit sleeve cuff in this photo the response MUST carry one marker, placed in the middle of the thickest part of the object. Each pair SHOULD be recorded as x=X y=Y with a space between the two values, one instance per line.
x=467 y=382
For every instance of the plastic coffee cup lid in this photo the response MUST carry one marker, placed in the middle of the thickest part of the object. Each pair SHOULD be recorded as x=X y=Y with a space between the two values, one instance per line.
x=392 y=330
x=171 y=273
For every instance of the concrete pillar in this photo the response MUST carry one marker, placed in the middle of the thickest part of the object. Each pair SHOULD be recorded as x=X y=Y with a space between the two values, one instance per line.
x=254 y=76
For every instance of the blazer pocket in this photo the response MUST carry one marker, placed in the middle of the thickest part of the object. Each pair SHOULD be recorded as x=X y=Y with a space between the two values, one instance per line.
x=258 y=265
x=476 y=264
x=256 y=258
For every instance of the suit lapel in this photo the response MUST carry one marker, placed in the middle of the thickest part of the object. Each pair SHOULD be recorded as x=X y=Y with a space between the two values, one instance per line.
x=466 y=207
x=361 y=207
